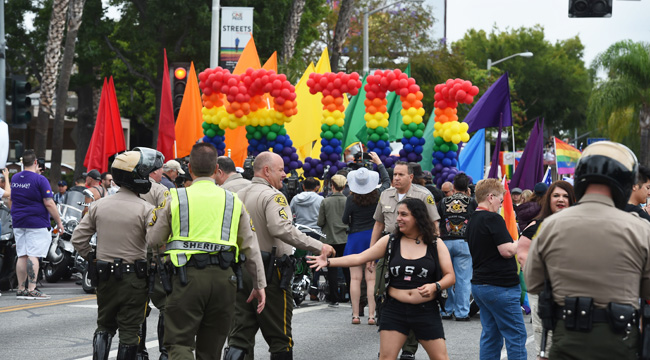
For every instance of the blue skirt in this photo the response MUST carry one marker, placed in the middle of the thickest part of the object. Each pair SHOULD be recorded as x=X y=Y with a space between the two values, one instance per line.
x=358 y=242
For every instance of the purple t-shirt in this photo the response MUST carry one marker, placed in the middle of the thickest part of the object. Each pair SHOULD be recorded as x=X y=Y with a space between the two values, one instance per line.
x=28 y=189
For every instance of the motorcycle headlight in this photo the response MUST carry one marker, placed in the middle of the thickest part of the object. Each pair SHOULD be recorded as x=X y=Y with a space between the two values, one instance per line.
x=6 y=236
x=70 y=225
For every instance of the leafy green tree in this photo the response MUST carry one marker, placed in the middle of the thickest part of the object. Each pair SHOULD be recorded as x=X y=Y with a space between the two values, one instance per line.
x=621 y=103
x=553 y=84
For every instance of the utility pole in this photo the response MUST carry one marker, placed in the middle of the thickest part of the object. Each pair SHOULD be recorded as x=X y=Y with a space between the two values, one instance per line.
x=3 y=70
x=214 y=38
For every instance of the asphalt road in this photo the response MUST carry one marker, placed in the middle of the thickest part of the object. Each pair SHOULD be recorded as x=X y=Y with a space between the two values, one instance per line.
x=62 y=328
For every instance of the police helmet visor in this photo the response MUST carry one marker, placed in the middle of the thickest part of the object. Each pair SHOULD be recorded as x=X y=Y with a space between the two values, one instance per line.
x=151 y=160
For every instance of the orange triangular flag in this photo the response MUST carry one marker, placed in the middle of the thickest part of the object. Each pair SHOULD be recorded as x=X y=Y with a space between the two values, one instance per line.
x=272 y=62
x=189 y=122
x=236 y=139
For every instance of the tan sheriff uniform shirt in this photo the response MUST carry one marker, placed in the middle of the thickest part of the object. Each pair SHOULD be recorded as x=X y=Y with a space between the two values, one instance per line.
x=386 y=211
x=160 y=228
x=235 y=182
x=157 y=194
x=120 y=222
x=594 y=250
x=272 y=218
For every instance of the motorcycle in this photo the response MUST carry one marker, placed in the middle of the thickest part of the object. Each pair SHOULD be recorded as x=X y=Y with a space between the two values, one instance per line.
x=81 y=265
x=61 y=257
x=8 y=278
x=302 y=277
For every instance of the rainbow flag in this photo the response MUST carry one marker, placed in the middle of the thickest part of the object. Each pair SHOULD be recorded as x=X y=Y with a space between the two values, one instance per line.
x=508 y=163
x=508 y=212
x=566 y=157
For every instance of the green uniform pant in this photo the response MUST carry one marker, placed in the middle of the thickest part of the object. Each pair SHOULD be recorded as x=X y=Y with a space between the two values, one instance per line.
x=122 y=304
x=599 y=343
x=158 y=297
x=201 y=310
x=411 y=344
x=274 y=321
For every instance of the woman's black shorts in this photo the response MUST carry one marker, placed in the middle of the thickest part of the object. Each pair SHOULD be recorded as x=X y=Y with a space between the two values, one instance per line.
x=424 y=319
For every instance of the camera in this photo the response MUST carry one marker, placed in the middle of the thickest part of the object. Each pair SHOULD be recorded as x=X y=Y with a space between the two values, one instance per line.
x=248 y=168
x=292 y=185
x=363 y=159
x=41 y=164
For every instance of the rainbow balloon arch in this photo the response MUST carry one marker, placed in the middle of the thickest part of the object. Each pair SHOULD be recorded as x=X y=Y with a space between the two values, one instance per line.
x=263 y=102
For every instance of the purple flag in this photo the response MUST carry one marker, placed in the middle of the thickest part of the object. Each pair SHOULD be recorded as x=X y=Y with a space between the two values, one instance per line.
x=492 y=107
x=494 y=167
x=530 y=170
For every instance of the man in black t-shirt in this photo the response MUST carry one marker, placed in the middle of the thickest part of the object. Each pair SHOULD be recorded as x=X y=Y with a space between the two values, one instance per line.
x=640 y=193
x=455 y=211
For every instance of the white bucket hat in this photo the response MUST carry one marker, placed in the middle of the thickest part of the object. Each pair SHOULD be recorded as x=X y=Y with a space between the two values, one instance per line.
x=363 y=181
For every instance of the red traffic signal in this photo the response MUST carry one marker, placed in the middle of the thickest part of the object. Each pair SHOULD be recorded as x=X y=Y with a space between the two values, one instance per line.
x=180 y=73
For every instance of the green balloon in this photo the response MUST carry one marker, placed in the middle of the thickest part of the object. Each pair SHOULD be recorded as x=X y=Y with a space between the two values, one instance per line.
x=205 y=125
x=250 y=128
x=275 y=128
x=436 y=148
x=282 y=131
x=370 y=131
x=384 y=136
x=438 y=140
x=335 y=128
x=413 y=126
x=380 y=130
x=214 y=127
x=374 y=137
x=210 y=133
x=221 y=132
x=271 y=135
x=453 y=147
x=419 y=133
x=249 y=136
x=408 y=133
x=403 y=127
x=328 y=135
x=257 y=135
x=324 y=127
x=265 y=129
x=339 y=135
x=444 y=148
x=421 y=126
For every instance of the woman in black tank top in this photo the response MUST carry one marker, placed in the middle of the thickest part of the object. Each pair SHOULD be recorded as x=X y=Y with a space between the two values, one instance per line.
x=411 y=284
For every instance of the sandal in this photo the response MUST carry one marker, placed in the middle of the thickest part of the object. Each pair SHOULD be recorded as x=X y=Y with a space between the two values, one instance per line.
x=371 y=321
x=356 y=320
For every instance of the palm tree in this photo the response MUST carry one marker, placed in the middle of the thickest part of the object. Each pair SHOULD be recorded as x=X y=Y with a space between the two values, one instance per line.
x=627 y=65
x=291 y=30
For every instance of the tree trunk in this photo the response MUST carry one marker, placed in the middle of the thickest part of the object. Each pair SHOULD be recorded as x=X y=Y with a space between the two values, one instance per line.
x=644 y=127
x=74 y=21
x=86 y=116
x=50 y=72
x=340 y=33
x=291 y=30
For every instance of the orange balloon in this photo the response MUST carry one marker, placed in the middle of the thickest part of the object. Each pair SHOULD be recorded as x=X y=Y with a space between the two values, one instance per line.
x=419 y=95
x=371 y=109
x=235 y=105
x=367 y=102
x=378 y=101
x=417 y=104
x=340 y=108
x=331 y=107
x=246 y=107
x=239 y=113
x=406 y=105
x=410 y=98
x=338 y=101
x=438 y=112
x=208 y=104
x=382 y=109
x=289 y=104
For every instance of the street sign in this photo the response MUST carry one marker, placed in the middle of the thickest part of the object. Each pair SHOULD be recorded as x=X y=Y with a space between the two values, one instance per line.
x=593 y=140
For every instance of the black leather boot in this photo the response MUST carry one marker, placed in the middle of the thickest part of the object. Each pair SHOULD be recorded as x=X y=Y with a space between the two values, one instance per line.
x=127 y=352
x=142 y=348
x=234 y=353
x=285 y=355
x=101 y=345
x=161 y=336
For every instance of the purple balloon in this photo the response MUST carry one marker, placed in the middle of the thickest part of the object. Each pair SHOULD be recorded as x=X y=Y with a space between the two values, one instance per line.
x=294 y=157
x=438 y=168
x=334 y=156
x=319 y=169
x=412 y=157
x=293 y=164
x=286 y=159
x=333 y=170
x=306 y=166
x=323 y=156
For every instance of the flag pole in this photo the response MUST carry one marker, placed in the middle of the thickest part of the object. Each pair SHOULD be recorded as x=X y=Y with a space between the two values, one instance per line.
x=514 y=150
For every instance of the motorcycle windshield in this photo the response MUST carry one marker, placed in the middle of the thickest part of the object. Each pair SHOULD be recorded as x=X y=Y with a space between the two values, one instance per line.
x=5 y=220
x=75 y=199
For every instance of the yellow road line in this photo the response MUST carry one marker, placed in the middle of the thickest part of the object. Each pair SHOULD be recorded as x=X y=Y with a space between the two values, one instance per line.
x=43 y=303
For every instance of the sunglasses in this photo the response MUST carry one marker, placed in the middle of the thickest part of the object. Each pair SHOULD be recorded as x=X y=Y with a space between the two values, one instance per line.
x=499 y=199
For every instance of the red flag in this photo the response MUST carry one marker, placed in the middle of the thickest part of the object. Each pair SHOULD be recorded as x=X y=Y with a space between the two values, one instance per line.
x=114 y=132
x=166 y=133
x=94 y=156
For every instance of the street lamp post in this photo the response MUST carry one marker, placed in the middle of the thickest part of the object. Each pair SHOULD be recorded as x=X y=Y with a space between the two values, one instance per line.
x=489 y=66
x=366 y=14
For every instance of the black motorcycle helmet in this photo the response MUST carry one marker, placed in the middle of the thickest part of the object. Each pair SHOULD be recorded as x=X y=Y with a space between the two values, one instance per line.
x=131 y=169
x=607 y=163
x=153 y=160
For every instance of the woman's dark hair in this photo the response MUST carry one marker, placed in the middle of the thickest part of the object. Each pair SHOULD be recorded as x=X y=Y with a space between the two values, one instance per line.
x=371 y=198
x=419 y=211
x=546 y=200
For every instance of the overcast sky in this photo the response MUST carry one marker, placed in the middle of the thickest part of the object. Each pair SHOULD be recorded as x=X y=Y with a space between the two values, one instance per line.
x=630 y=20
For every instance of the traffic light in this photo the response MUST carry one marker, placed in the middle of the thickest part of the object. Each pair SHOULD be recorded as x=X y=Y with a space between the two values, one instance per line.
x=590 y=8
x=179 y=80
x=20 y=103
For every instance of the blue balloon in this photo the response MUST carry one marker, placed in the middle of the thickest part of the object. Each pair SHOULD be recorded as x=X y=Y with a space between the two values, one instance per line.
x=439 y=155
x=414 y=141
x=405 y=141
x=422 y=141
x=381 y=144
x=408 y=148
x=370 y=145
x=306 y=166
x=294 y=157
x=454 y=163
x=446 y=162
x=221 y=146
x=438 y=168
x=327 y=149
x=324 y=142
x=335 y=142
x=323 y=157
x=418 y=149
x=261 y=147
x=281 y=139
x=288 y=143
x=386 y=151
x=333 y=170
x=338 y=149
x=287 y=151
x=436 y=162
x=451 y=155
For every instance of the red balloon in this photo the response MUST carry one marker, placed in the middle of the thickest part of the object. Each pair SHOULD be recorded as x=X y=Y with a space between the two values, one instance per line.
x=325 y=92
x=413 y=89
x=323 y=81
x=461 y=95
x=232 y=82
x=311 y=81
x=267 y=87
x=277 y=84
x=292 y=96
x=370 y=95
x=403 y=91
x=203 y=75
x=354 y=76
x=474 y=91
x=285 y=93
x=437 y=96
x=313 y=91
x=207 y=91
x=224 y=89
x=411 y=81
x=331 y=76
x=442 y=104
x=384 y=83
x=337 y=83
x=282 y=77
x=336 y=93
x=469 y=99
x=445 y=93
x=403 y=83
x=279 y=100
x=240 y=98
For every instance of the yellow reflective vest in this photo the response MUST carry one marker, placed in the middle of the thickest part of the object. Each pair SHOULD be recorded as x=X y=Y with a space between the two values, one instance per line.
x=205 y=219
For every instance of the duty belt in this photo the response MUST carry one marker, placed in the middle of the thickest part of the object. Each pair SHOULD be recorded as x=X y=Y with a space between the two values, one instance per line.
x=597 y=315
x=212 y=260
x=196 y=246
x=125 y=268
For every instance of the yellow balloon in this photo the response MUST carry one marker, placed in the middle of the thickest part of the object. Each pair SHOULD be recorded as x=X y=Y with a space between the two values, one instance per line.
x=437 y=126
x=446 y=137
x=412 y=111
x=340 y=122
x=464 y=127
x=367 y=116
x=436 y=133
x=403 y=112
x=373 y=124
x=337 y=113
x=421 y=111
x=255 y=122
x=233 y=125
x=383 y=123
x=407 y=119
x=455 y=138
x=379 y=116
x=464 y=137
x=455 y=127
x=417 y=119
